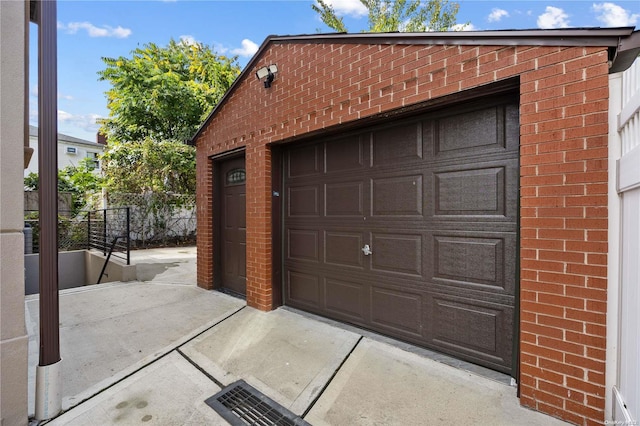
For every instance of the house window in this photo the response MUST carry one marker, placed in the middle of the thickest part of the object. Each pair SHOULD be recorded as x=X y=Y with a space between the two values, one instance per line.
x=71 y=150
x=236 y=177
x=94 y=159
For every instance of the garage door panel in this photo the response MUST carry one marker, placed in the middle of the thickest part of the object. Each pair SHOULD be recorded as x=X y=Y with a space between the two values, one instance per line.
x=344 y=199
x=469 y=259
x=344 y=154
x=469 y=133
x=303 y=201
x=461 y=132
x=397 y=145
x=304 y=161
x=346 y=298
x=471 y=329
x=475 y=260
x=303 y=245
x=397 y=196
x=470 y=192
x=304 y=289
x=485 y=191
x=344 y=249
x=397 y=253
x=396 y=311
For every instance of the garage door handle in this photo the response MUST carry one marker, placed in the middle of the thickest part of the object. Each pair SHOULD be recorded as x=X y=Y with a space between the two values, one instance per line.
x=366 y=250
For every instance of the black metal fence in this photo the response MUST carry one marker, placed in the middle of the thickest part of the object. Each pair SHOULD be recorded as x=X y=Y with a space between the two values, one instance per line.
x=103 y=230
x=108 y=230
x=72 y=231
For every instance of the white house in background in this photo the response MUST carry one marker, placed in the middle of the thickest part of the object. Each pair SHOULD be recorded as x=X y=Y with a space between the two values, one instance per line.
x=70 y=151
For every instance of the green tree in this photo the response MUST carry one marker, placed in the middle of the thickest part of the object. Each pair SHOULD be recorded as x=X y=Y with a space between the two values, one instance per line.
x=396 y=15
x=148 y=165
x=80 y=181
x=164 y=93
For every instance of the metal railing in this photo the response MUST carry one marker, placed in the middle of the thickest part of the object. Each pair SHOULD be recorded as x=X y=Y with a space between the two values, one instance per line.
x=72 y=231
x=109 y=230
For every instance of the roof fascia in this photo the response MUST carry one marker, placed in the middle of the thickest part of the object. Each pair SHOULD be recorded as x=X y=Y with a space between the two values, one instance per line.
x=561 y=37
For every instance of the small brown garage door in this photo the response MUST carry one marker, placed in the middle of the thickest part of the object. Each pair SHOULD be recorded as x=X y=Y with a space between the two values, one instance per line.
x=410 y=230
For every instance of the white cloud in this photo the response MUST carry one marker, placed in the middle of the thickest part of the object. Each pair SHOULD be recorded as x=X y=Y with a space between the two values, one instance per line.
x=553 y=17
x=189 y=40
x=93 y=31
x=612 y=15
x=497 y=14
x=353 y=8
x=84 y=121
x=220 y=49
x=248 y=48
x=464 y=27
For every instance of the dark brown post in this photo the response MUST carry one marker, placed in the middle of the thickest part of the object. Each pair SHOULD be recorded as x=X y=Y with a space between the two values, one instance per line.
x=48 y=182
x=49 y=371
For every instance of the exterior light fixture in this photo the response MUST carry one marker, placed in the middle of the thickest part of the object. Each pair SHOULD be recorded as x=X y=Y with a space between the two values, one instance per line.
x=267 y=74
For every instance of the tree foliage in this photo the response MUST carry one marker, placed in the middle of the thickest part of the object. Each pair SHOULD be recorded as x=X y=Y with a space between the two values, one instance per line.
x=164 y=93
x=81 y=181
x=396 y=15
x=149 y=166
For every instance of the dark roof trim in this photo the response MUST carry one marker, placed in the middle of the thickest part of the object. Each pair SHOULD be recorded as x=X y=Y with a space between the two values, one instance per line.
x=627 y=53
x=623 y=44
x=560 y=37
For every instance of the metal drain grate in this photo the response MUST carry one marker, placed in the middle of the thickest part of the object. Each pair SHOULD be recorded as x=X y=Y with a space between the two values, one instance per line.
x=241 y=404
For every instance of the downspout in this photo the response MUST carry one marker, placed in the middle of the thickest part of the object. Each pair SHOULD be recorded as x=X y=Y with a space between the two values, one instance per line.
x=27 y=150
x=49 y=370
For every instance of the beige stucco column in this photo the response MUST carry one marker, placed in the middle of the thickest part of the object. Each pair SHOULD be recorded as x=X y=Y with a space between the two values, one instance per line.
x=13 y=336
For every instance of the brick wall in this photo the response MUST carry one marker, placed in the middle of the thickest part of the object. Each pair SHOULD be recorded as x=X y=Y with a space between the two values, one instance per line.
x=563 y=180
x=563 y=167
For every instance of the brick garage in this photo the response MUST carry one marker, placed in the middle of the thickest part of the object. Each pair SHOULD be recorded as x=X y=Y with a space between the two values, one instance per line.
x=326 y=85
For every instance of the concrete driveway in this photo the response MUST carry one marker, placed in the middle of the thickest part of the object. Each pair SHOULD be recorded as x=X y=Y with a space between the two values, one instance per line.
x=152 y=351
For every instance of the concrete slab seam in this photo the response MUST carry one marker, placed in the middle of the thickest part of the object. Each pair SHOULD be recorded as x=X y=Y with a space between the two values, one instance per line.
x=141 y=367
x=326 y=385
x=202 y=370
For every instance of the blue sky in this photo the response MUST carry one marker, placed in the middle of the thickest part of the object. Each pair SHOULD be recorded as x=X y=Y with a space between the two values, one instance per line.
x=90 y=30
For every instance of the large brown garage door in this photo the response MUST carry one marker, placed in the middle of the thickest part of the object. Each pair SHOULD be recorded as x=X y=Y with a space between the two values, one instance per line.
x=410 y=230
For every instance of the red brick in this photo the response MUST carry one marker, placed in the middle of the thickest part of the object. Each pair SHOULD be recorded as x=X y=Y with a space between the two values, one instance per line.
x=584 y=386
x=561 y=323
x=562 y=368
x=586 y=316
x=583 y=410
x=583 y=339
x=561 y=345
x=542 y=308
x=543 y=352
x=562 y=256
